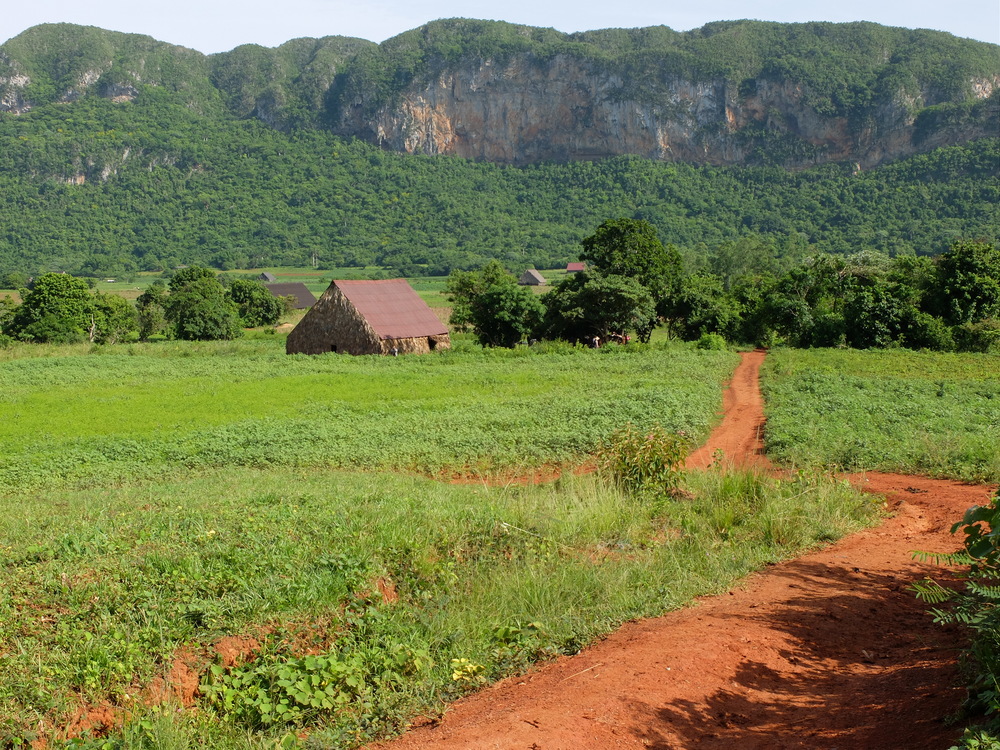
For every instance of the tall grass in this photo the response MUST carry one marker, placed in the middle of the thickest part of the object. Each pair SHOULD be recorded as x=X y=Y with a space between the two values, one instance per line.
x=915 y=412
x=107 y=587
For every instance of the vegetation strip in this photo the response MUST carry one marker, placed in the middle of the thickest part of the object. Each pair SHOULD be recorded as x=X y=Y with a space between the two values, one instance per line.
x=907 y=412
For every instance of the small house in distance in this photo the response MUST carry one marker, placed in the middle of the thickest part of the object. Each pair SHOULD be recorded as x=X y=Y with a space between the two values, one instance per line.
x=303 y=297
x=531 y=277
x=267 y=278
x=369 y=317
x=576 y=267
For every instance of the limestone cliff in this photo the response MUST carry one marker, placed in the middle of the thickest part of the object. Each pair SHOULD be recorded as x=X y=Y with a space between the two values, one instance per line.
x=529 y=110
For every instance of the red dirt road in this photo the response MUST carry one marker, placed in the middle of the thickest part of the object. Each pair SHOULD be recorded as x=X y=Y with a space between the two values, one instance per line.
x=738 y=440
x=826 y=651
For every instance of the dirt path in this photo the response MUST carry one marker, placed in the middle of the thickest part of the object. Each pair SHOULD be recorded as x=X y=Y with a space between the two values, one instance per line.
x=738 y=440
x=826 y=651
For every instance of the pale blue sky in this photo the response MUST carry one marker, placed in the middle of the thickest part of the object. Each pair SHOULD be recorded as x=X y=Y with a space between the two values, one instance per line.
x=219 y=25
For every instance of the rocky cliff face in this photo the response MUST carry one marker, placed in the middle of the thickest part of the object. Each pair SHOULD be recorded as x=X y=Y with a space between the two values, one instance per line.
x=562 y=109
x=730 y=93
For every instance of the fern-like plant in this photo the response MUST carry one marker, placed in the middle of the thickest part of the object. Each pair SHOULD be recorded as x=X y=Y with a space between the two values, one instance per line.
x=977 y=606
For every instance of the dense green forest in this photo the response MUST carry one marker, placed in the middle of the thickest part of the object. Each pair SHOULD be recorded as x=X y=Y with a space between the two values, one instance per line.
x=163 y=186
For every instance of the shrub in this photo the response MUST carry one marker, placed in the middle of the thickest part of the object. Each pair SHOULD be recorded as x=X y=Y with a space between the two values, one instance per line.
x=983 y=336
x=712 y=341
x=644 y=462
x=977 y=606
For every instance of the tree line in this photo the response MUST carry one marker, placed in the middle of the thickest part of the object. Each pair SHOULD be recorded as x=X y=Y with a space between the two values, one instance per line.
x=196 y=305
x=633 y=283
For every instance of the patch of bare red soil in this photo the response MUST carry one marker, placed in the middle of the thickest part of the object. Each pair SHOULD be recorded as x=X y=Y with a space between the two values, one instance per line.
x=519 y=477
x=739 y=438
x=830 y=650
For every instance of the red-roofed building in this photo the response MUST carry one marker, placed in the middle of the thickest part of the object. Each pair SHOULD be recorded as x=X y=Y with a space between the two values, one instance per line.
x=369 y=317
x=576 y=267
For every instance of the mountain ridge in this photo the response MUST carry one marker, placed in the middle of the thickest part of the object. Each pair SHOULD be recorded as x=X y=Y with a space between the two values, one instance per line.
x=732 y=92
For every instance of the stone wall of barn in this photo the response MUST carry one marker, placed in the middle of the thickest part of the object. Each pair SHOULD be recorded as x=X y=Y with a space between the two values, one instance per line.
x=416 y=345
x=333 y=325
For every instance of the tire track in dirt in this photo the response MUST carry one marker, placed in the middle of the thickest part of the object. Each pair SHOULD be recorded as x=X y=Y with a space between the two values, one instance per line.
x=830 y=650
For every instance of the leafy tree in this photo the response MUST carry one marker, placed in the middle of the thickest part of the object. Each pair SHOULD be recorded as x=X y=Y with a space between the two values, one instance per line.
x=254 y=303
x=7 y=309
x=185 y=276
x=631 y=248
x=201 y=311
x=704 y=307
x=874 y=316
x=968 y=283
x=13 y=280
x=591 y=304
x=151 y=308
x=56 y=309
x=491 y=304
x=113 y=318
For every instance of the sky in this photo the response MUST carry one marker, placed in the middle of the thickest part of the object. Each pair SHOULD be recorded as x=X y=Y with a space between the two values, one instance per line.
x=220 y=25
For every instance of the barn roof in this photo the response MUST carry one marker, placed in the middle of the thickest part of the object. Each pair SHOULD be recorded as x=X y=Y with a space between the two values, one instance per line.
x=531 y=276
x=303 y=297
x=392 y=308
x=268 y=277
x=576 y=267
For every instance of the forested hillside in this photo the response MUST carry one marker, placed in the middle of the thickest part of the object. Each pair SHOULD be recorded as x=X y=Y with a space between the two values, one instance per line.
x=120 y=153
x=100 y=189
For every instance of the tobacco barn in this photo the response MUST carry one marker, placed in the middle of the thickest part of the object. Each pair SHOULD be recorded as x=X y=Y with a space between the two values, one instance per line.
x=300 y=292
x=531 y=277
x=369 y=317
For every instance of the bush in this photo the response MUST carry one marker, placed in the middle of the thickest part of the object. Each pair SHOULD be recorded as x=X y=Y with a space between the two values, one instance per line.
x=977 y=606
x=644 y=462
x=983 y=336
x=712 y=341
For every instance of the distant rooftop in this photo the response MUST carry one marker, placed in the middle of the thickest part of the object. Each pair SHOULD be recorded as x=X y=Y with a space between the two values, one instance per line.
x=303 y=297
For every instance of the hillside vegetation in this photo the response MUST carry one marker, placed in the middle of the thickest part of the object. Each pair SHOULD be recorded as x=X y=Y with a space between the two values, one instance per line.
x=849 y=69
x=132 y=154
x=102 y=188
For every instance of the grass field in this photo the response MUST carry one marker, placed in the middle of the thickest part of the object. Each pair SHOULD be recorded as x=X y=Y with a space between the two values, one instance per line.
x=255 y=526
x=356 y=600
x=146 y=410
x=897 y=410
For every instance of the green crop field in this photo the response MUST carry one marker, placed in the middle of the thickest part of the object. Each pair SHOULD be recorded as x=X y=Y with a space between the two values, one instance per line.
x=915 y=412
x=141 y=411
x=168 y=504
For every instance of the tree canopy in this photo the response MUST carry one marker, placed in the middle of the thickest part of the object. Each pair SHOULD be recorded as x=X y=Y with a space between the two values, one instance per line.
x=493 y=306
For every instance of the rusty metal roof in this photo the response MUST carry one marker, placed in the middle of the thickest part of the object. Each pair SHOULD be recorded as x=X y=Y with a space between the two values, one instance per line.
x=392 y=308
x=576 y=267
